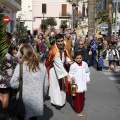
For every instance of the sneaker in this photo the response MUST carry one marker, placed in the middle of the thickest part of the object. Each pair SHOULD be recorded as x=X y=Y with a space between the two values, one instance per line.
x=115 y=71
x=108 y=70
x=80 y=114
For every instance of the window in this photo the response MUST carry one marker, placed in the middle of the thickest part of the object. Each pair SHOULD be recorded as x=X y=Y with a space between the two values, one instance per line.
x=64 y=9
x=43 y=8
x=76 y=11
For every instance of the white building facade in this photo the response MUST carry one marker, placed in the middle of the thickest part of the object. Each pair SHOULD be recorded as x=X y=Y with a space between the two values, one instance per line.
x=32 y=12
x=26 y=14
x=10 y=8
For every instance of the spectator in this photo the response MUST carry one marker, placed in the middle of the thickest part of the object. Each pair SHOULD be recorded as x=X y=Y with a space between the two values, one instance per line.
x=68 y=42
x=35 y=82
x=112 y=53
x=7 y=67
x=83 y=51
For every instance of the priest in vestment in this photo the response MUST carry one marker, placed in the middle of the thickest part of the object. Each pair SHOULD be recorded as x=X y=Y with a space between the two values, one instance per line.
x=58 y=58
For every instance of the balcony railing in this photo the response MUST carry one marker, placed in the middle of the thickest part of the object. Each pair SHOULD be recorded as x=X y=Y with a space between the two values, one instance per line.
x=14 y=4
x=18 y=1
x=65 y=15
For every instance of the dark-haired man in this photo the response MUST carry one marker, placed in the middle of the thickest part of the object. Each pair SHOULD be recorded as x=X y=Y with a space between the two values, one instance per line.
x=58 y=57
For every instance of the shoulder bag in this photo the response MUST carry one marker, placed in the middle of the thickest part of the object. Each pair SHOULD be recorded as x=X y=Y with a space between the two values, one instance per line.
x=16 y=107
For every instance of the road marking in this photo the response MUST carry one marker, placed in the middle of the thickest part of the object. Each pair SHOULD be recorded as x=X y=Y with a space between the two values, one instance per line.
x=118 y=85
x=112 y=73
x=114 y=78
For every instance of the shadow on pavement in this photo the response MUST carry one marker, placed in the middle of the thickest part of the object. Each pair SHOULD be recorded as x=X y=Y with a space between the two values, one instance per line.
x=48 y=113
x=69 y=100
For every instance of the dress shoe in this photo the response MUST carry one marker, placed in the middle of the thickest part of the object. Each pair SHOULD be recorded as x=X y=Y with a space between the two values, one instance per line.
x=58 y=107
x=80 y=114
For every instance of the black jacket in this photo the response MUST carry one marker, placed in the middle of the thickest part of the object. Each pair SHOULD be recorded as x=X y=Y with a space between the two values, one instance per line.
x=84 y=53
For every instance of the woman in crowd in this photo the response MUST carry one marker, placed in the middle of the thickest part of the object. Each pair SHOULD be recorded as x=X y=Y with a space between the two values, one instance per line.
x=35 y=82
x=100 y=48
x=7 y=68
x=112 y=53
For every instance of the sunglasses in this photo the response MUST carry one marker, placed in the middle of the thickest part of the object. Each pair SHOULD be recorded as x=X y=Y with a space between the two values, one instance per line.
x=80 y=44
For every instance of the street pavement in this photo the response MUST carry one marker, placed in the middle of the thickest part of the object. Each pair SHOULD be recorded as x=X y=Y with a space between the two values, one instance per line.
x=102 y=99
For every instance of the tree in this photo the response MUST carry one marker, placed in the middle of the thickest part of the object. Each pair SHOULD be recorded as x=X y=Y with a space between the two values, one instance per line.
x=20 y=31
x=63 y=26
x=102 y=16
x=43 y=27
x=51 y=22
x=91 y=18
x=110 y=18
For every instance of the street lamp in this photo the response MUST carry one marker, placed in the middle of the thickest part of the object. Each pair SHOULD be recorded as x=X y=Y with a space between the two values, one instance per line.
x=43 y=24
x=73 y=15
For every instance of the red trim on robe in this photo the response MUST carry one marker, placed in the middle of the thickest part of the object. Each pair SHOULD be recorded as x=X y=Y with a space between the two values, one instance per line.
x=49 y=61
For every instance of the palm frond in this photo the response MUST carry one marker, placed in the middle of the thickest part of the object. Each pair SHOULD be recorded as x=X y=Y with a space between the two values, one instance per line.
x=3 y=38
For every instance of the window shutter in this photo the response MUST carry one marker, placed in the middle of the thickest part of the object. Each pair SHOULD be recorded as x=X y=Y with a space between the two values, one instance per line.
x=64 y=9
x=43 y=8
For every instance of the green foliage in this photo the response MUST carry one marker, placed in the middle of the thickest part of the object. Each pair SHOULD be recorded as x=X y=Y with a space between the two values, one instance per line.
x=3 y=38
x=51 y=21
x=43 y=26
x=76 y=1
x=4 y=46
x=48 y=22
x=119 y=7
x=20 y=31
x=63 y=26
x=102 y=16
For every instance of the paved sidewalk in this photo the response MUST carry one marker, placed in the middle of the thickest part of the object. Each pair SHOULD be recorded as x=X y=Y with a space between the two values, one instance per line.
x=106 y=63
x=102 y=102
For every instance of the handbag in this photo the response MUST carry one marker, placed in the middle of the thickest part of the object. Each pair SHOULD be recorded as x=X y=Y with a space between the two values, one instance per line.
x=16 y=107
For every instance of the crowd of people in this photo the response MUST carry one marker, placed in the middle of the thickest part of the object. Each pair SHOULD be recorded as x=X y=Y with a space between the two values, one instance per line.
x=51 y=63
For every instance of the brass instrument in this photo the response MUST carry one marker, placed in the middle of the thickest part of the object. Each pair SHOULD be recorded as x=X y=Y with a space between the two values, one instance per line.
x=73 y=89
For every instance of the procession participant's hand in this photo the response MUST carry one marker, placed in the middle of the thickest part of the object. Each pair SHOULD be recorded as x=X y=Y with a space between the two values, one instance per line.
x=71 y=62
x=88 y=83
x=69 y=79
x=20 y=46
x=20 y=60
x=73 y=78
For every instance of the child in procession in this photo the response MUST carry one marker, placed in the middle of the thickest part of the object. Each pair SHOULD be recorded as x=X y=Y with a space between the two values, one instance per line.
x=80 y=75
x=100 y=62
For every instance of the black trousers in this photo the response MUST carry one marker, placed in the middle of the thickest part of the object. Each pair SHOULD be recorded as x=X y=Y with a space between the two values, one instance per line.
x=99 y=68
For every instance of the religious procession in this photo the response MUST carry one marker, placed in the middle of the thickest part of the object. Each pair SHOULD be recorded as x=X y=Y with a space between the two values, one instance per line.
x=53 y=74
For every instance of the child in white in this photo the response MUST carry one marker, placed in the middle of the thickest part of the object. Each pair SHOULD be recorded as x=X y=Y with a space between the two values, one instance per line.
x=80 y=74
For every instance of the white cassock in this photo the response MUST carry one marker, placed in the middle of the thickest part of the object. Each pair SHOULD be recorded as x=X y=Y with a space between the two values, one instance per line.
x=81 y=74
x=57 y=96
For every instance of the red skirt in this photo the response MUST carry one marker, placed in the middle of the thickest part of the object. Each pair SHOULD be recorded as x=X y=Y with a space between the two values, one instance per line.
x=78 y=102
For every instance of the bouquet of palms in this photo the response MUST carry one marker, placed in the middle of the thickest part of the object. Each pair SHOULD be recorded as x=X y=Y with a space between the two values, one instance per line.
x=4 y=46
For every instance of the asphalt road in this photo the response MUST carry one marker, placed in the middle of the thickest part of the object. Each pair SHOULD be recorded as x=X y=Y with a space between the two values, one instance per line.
x=102 y=101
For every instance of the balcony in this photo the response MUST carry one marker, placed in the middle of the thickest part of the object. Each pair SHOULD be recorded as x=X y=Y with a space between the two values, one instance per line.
x=64 y=15
x=18 y=1
x=14 y=4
